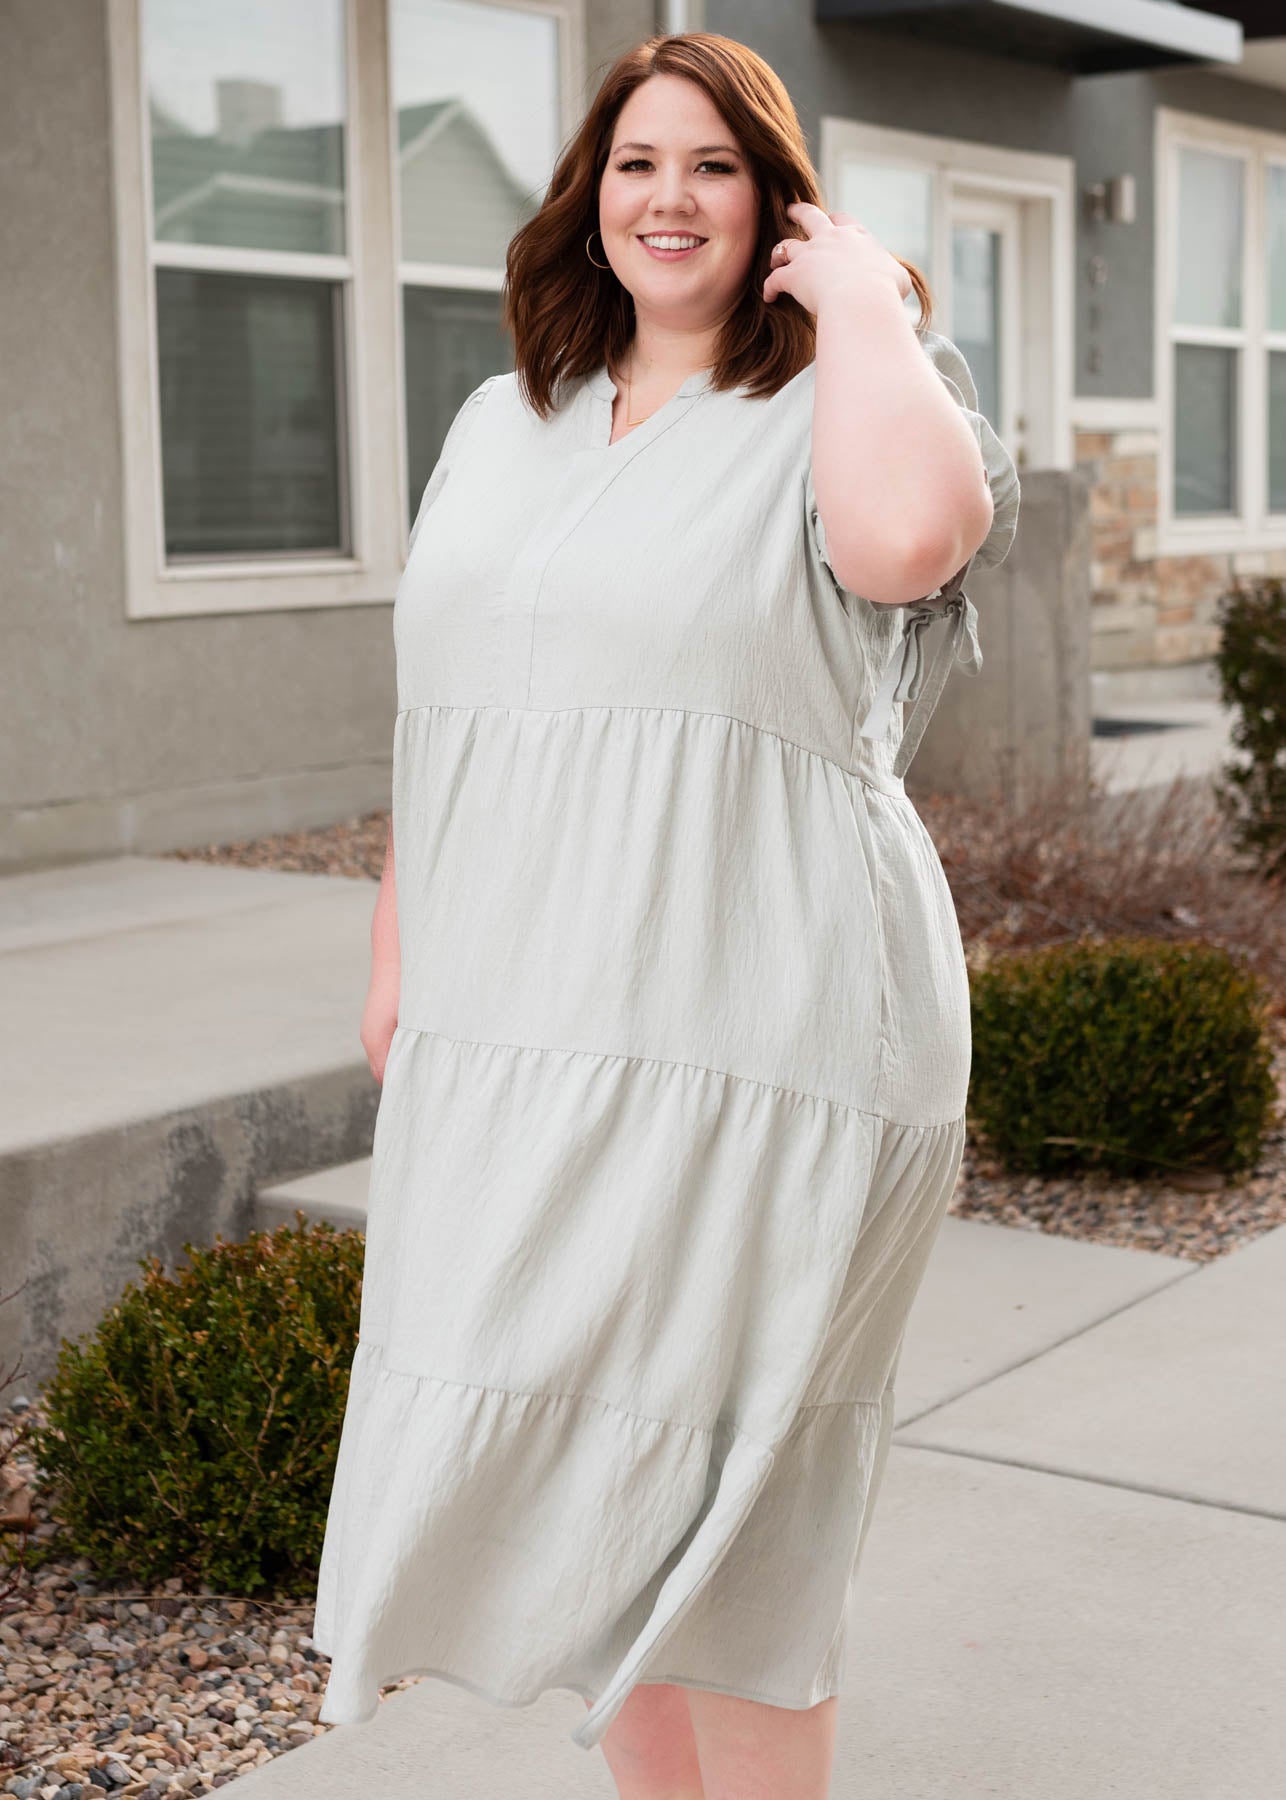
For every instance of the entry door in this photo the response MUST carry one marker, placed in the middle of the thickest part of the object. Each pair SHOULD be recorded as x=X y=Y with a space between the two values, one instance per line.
x=985 y=307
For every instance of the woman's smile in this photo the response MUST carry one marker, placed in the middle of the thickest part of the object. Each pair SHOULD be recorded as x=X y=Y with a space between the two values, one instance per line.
x=671 y=246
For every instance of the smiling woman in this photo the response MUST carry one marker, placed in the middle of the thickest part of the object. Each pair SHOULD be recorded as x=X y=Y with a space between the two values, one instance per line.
x=674 y=1096
x=674 y=208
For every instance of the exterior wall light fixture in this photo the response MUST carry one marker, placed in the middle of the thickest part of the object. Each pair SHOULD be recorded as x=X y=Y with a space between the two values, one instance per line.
x=1113 y=200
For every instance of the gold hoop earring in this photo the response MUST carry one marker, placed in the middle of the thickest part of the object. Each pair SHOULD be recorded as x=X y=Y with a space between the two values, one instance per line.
x=597 y=265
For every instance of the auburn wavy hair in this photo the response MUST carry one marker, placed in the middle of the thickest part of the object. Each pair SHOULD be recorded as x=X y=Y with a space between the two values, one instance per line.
x=566 y=315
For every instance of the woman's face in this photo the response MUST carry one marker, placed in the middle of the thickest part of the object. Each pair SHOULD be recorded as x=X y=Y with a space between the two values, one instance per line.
x=675 y=170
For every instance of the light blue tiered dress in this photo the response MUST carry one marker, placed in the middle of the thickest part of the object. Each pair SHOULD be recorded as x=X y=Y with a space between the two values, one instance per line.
x=676 y=1099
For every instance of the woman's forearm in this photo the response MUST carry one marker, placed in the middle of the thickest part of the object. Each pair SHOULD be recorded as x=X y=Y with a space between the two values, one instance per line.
x=897 y=473
x=385 y=954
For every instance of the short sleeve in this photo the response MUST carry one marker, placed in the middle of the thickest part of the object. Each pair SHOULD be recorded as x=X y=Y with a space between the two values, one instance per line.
x=1002 y=476
x=457 y=432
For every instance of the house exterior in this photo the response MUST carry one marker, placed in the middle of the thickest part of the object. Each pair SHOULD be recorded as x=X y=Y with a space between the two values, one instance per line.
x=254 y=257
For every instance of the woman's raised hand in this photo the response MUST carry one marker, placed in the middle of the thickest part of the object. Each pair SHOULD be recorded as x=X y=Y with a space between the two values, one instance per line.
x=836 y=258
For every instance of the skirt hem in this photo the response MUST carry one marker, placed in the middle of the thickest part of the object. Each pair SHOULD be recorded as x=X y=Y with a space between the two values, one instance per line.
x=518 y=1702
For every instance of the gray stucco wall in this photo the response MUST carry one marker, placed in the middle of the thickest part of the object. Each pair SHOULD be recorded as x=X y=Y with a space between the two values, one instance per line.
x=124 y=734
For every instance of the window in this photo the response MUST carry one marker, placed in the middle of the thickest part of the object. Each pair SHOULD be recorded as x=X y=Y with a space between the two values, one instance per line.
x=476 y=109
x=1275 y=285
x=1209 y=329
x=246 y=120
x=306 y=295
x=1222 y=336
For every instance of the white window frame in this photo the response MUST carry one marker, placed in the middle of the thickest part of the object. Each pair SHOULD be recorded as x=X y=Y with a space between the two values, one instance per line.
x=570 y=16
x=1045 y=185
x=372 y=419
x=1253 y=527
x=154 y=587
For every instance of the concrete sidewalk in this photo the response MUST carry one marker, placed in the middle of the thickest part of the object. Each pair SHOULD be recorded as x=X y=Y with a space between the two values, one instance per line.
x=1075 y=1585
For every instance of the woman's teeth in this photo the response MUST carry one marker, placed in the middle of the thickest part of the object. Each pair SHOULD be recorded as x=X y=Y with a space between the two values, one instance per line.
x=668 y=242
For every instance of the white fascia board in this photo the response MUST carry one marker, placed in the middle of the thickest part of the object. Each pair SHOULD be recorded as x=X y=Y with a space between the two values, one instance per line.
x=1207 y=36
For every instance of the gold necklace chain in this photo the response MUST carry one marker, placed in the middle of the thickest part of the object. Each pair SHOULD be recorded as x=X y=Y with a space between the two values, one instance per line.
x=629 y=389
x=629 y=422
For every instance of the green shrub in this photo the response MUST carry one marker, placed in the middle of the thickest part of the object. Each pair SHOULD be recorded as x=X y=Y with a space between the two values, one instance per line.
x=1134 y=1055
x=1251 y=662
x=195 y=1431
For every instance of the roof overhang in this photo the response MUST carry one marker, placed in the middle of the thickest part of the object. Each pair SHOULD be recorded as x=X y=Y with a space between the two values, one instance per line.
x=1085 y=37
x=1263 y=63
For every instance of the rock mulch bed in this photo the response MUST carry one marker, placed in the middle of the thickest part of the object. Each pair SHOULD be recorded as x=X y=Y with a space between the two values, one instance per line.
x=108 y=1691
x=147 y=1695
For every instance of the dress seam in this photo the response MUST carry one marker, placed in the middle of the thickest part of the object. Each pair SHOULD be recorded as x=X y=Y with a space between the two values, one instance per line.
x=887 y=785
x=613 y=1406
x=669 y=1062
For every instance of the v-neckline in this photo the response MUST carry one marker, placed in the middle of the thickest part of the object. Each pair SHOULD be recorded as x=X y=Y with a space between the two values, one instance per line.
x=603 y=391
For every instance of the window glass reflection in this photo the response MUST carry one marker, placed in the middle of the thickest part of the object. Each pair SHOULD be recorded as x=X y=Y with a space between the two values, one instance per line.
x=246 y=114
x=1205 y=429
x=475 y=92
x=1208 y=271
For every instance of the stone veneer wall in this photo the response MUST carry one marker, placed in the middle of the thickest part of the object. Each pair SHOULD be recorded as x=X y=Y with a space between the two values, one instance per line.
x=1148 y=610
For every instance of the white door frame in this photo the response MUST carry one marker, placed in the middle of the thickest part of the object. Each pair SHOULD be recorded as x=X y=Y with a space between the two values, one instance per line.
x=1043 y=190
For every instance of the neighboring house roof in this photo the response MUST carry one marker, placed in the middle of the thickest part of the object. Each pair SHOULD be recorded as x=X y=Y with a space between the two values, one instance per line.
x=301 y=168
x=460 y=201
x=414 y=122
x=284 y=187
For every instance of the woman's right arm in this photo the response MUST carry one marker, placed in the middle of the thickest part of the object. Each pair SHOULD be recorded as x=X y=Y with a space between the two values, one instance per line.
x=379 y=1016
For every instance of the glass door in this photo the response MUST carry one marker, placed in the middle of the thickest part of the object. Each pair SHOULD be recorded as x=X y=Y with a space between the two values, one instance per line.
x=986 y=307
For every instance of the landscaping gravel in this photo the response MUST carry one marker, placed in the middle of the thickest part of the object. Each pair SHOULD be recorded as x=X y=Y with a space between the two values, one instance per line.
x=147 y=1695
x=115 y=1692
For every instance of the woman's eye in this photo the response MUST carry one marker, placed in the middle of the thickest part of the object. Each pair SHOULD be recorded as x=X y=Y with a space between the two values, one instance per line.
x=636 y=162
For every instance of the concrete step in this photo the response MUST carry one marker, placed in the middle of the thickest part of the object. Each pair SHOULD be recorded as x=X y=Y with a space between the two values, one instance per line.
x=332 y=1196
x=1114 y=690
x=178 y=1036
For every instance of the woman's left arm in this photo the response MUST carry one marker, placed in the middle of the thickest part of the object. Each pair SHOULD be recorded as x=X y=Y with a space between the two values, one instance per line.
x=900 y=483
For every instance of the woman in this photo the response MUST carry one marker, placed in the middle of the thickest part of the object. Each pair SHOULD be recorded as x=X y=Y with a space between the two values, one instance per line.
x=669 y=1004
